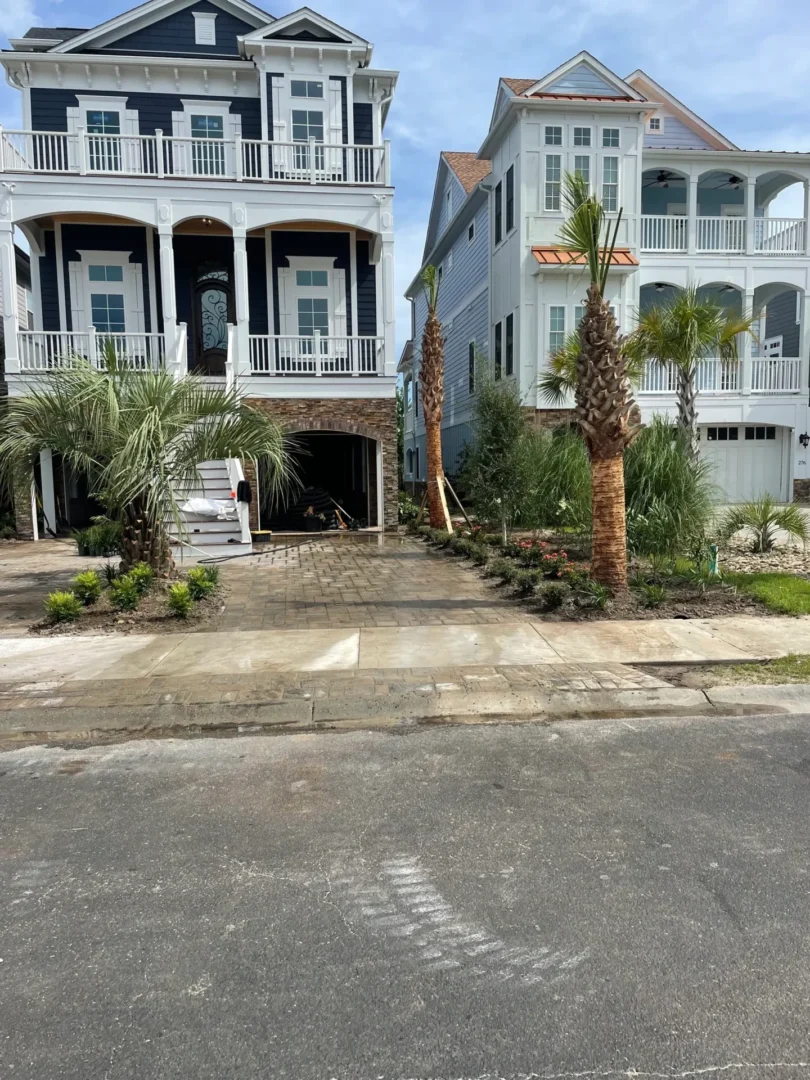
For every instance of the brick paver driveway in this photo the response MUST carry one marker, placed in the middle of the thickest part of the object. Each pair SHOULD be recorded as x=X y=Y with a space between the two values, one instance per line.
x=356 y=581
x=28 y=572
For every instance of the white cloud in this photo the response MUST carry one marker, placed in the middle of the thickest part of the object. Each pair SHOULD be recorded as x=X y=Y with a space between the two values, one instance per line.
x=17 y=16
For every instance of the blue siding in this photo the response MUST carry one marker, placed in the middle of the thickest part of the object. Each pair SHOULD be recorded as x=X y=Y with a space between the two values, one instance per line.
x=257 y=285
x=470 y=263
x=781 y=319
x=457 y=197
x=326 y=244
x=366 y=292
x=676 y=135
x=49 y=110
x=363 y=124
x=454 y=440
x=106 y=238
x=48 y=282
x=583 y=80
x=174 y=35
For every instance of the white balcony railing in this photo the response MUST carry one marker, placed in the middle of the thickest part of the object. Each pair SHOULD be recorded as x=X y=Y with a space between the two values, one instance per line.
x=44 y=350
x=712 y=376
x=775 y=375
x=292 y=355
x=721 y=234
x=159 y=156
x=779 y=236
x=664 y=232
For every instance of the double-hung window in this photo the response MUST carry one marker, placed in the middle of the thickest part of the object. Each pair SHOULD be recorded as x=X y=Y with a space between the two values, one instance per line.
x=510 y=344
x=307 y=124
x=103 y=144
x=553 y=181
x=510 y=198
x=208 y=146
x=582 y=136
x=582 y=167
x=107 y=298
x=610 y=184
x=498 y=213
x=556 y=328
x=498 y=350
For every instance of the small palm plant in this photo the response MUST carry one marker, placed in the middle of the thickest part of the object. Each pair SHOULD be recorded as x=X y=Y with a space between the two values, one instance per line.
x=138 y=436
x=763 y=519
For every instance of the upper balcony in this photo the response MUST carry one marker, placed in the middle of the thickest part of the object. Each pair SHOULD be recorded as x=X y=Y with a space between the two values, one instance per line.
x=162 y=157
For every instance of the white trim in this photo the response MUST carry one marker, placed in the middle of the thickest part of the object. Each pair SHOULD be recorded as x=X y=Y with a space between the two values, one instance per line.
x=585 y=57
x=305 y=14
x=558 y=153
x=575 y=146
x=268 y=262
x=205 y=27
x=602 y=130
x=353 y=273
x=679 y=106
x=131 y=287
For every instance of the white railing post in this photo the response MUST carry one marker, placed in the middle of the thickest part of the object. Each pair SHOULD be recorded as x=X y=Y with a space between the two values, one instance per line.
x=748 y=342
x=386 y=162
x=313 y=172
x=230 y=376
x=181 y=351
x=92 y=346
x=2 y=150
x=316 y=349
x=750 y=245
x=82 y=148
x=159 y=152
x=8 y=285
x=242 y=305
x=238 y=163
x=692 y=216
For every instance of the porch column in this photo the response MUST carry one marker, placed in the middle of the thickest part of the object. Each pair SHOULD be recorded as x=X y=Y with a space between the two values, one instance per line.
x=240 y=282
x=804 y=344
x=48 y=491
x=750 y=207
x=748 y=305
x=8 y=283
x=691 y=210
x=168 y=299
x=387 y=327
x=807 y=217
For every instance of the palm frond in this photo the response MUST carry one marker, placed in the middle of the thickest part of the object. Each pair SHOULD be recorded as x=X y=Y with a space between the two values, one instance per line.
x=587 y=230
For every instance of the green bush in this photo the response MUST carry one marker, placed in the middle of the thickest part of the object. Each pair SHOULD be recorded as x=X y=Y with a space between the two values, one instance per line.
x=124 y=593
x=8 y=528
x=553 y=596
x=87 y=586
x=109 y=572
x=559 y=492
x=653 y=596
x=761 y=518
x=408 y=508
x=103 y=537
x=212 y=573
x=594 y=594
x=179 y=601
x=526 y=581
x=199 y=585
x=424 y=530
x=63 y=606
x=143 y=577
x=504 y=569
x=480 y=554
x=439 y=537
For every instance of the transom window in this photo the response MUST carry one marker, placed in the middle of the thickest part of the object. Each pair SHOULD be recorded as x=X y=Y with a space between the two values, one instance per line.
x=582 y=167
x=556 y=328
x=553 y=179
x=313 y=314
x=305 y=88
x=207 y=127
x=107 y=312
x=312 y=277
x=582 y=136
x=307 y=125
x=553 y=136
x=105 y=273
x=101 y=122
x=610 y=137
x=759 y=434
x=610 y=184
x=723 y=434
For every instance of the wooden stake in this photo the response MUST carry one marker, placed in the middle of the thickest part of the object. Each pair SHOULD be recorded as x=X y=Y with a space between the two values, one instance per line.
x=458 y=503
x=421 y=507
x=440 y=480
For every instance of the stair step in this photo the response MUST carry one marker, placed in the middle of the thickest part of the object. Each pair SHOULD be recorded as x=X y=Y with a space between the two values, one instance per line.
x=207 y=525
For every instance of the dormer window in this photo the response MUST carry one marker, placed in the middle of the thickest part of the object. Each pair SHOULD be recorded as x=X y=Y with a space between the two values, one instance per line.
x=305 y=89
x=205 y=28
x=655 y=123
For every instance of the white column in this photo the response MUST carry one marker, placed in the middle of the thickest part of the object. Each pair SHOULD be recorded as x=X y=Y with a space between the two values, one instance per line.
x=750 y=207
x=807 y=217
x=168 y=298
x=240 y=281
x=387 y=282
x=48 y=490
x=748 y=306
x=692 y=209
x=804 y=343
x=8 y=284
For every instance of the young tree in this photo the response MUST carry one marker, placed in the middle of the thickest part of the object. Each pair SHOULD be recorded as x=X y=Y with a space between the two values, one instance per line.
x=603 y=397
x=680 y=333
x=138 y=436
x=431 y=383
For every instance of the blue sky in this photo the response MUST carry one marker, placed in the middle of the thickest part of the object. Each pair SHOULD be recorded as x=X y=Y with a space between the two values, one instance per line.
x=742 y=66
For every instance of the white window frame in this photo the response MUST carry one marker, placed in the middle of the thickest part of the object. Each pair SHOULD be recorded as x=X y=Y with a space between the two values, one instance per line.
x=308 y=97
x=655 y=123
x=552 y=127
x=581 y=127
x=551 y=349
x=205 y=27
x=602 y=183
x=81 y=286
x=550 y=209
x=587 y=158
x=602 y=144
x=181 y=129
x=77 y=119
x=334 y=292
x=448 y=206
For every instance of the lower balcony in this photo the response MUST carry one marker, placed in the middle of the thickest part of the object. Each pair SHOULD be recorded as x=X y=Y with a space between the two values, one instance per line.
x=768 y=375
x=44 y=350
x=272 y=354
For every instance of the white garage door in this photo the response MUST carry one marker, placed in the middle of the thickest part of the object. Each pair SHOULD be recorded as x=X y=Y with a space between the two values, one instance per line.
x=747 y=460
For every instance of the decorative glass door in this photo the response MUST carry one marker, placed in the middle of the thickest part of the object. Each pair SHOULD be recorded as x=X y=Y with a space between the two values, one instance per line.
x=307 y=124
x=103 y=144
x=208 y=146
x=214 y=309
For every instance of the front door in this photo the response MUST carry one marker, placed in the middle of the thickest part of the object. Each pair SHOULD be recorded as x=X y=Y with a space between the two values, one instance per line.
x=213 y=310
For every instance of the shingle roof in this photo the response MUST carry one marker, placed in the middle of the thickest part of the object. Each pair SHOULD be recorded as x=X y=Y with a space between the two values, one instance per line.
x=54 y=33
x=555 y=256
x=470 y=169
x=519 y=86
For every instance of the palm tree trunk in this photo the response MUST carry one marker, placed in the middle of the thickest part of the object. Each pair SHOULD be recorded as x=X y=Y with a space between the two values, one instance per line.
x=687 y=407
x=435 y=473
x=609 y=559
x=144 y=540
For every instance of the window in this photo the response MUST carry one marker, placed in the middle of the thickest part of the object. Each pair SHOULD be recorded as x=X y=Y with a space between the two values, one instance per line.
x=103 y=152
x=409 y=462
x=471 y=367
x=498 y=349
x=303 y=88
x=582 y=136
x=556 y=328
x=582 y=167
x=610 y=137
x=655 y=123
x=409 y=394
x=759 y=434
x=415 y=414
x=107 y=312
x=439 y=275
x=105 y=273
x=205 y=28
x=448 y=205
x=553 y=178
x=610 y=184
x=510 y=198
x=498 y=213
x=471 y=232
x=510 y=344
x=307 y=124
x=313 y=314
x=312 y=277
x=722 y=434
x=207 y=148
x=418 y=469
x=553 y=136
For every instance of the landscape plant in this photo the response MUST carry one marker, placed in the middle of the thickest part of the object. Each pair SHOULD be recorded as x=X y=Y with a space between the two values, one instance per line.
x=199 y=583
x=178 y=600
x=103 y=537
x=88 y=587
x=124 y=593
x=762 y=519
x=63 y=606
x=142 y=576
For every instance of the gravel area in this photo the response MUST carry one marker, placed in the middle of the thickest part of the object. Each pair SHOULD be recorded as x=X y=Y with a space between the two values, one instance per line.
x=737 y=557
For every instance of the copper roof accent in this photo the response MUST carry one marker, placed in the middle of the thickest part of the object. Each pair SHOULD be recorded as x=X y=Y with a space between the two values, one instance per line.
x=519 y=86
x=556 y=256
x=470 y=169
x=585 y=97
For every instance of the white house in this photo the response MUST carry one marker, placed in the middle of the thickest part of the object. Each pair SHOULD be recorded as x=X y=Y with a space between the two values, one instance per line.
x=695 y=209
x=209 y=188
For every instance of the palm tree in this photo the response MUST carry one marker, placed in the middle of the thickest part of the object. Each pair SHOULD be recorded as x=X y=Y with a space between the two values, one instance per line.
x=431 y=382
x=138 y=437
x=558 y=380
x=679 y=334
x=603 y=397
x=763 y=518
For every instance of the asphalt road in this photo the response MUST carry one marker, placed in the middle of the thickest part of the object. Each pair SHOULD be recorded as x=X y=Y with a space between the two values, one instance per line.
x=581 y=900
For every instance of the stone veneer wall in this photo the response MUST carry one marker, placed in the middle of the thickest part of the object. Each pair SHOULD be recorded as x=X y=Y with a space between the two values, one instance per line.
x=549 y=418
x=376 y=418
x=801 y=490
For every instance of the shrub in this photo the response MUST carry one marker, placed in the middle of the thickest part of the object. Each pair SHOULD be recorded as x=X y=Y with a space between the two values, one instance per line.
x=653 y=596
x=594 y=594
x=439 y=537
x=761 y=518
x=212 y=573
x=504 y=569
x=559 y=491
x=199 y=586
x=408 y=508
x=479 y=554
x=143 y=576
x=493 y=539
x=554 y=563
x=553 y=596
x=178 y=600
x=103 y=537
x=124 y=594
x=526 y=581
x=109 y=572
x=8 y=529
x=63 y=606
x=87 y=586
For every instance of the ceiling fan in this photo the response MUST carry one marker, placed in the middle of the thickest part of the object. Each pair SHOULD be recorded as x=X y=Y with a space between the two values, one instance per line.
x=733 y=182
x=662 y=179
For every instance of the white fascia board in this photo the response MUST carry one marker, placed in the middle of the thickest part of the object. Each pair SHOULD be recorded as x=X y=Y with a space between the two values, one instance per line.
x=114 y=59
x=279 y=25
x=677 y=104
x=23 y=44
x=584 y=57
x=754 y=156
x=145 y=15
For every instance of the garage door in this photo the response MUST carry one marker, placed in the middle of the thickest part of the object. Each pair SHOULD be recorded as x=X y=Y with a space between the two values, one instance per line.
x=747 y=461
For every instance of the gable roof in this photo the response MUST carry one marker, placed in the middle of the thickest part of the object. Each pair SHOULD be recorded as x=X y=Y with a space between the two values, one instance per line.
x=468 y=167
x=312 y=27
x=584 y=76
x=696 y=123
x=519 y=86
x=147 y=13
